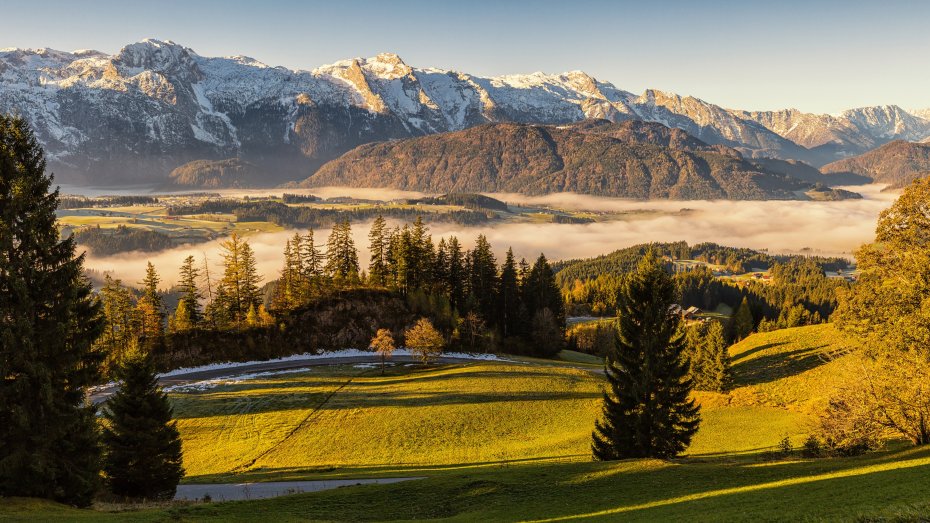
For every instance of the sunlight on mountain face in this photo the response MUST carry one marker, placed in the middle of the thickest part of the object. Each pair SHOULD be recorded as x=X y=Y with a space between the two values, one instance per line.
x=828 y=228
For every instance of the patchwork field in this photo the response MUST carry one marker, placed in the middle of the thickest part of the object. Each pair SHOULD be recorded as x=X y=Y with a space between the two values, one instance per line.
x=510 y=441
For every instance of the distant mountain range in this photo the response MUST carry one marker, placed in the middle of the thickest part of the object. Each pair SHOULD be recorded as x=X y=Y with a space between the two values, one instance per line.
x=154 y=106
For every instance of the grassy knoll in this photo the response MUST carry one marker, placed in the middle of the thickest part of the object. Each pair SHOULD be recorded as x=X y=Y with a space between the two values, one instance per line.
x=504 y=441
x=350 y=421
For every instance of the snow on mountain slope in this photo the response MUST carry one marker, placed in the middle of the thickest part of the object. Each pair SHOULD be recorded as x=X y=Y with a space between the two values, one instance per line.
x=154 y=105
x=850 y=133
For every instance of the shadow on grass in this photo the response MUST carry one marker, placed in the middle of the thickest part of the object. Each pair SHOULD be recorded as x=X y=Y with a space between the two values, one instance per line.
x=773 y=367
x=262 y=403
x=645 y=490
x=373 y=470
x=832 y=488
x=371 y=392
x=760 y=348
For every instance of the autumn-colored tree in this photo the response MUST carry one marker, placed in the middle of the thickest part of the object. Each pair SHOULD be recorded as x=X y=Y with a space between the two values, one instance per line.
x=383 y=344
x=118 y=330
x=888 y=306
x=150 y=315
x=887 y=310
x=238 y=290
x=424 y=341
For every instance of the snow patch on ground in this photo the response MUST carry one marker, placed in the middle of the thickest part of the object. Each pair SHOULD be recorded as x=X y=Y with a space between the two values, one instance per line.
x=371 y=365
x=200 y=386
x=345 y=353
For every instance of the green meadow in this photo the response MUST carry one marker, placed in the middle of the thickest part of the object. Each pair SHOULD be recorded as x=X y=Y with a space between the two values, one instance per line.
x=509 y=441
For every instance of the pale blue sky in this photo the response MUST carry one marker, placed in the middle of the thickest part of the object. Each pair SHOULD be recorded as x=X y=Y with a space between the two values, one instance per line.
x=821 y=56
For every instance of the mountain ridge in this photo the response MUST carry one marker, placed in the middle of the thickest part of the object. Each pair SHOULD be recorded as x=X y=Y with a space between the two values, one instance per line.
x=627 y=160
x=138 y=114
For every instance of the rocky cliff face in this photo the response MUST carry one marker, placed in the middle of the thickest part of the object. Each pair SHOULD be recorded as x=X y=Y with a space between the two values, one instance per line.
x=136 y=115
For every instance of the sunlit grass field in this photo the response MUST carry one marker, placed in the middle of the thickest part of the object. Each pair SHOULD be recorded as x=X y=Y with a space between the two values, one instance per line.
x=346 y=420
x=499 y=441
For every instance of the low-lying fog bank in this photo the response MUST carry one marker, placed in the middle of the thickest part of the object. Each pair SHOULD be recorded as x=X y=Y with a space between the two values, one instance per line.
x=827 y=228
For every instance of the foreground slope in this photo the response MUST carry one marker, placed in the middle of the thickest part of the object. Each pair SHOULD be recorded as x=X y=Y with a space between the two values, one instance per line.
x=349 y=420
x=478 y=434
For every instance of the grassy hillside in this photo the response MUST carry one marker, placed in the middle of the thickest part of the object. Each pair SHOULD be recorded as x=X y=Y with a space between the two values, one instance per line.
x=788 y=368
x=349 y=421
x=510 y=441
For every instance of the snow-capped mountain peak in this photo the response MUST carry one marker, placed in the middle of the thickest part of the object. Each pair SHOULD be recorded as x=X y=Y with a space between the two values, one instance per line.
x=156 y=104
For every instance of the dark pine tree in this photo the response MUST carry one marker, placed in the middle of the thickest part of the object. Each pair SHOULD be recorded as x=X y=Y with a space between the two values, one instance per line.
x=482 y=279
x=508 y=297
x=143 y=446
x=742 y=323
x=48 y=322
x=647 y=411
x=456 y=274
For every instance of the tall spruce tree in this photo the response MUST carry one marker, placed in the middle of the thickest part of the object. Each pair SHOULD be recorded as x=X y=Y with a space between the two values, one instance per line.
x=118 y=328
x=250 y=278
x=379 y=245
x=238 y=290
x=508 y=297
x=341 y=256
x=482 y=279
x=456 y=276
x=540 y=290
x=190 y=293
x=311 y=263
x=647 y=411
x=742 y=323
x=49 y=320
x=289 y=289
x=710 y=360
x=143 y=446
x=441 y=267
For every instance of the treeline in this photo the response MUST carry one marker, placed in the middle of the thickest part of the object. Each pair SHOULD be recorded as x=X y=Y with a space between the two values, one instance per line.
x=105 y=242
x=304 y=217
x=299 y=198
x=83 y=202
x=733 y=259
x=798 y=292
x=467 y=200
x=476 y=303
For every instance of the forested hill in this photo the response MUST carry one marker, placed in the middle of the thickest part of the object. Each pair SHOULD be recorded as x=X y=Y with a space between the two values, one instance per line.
x=735 y=259
x=897 y=163
x=599 y=159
